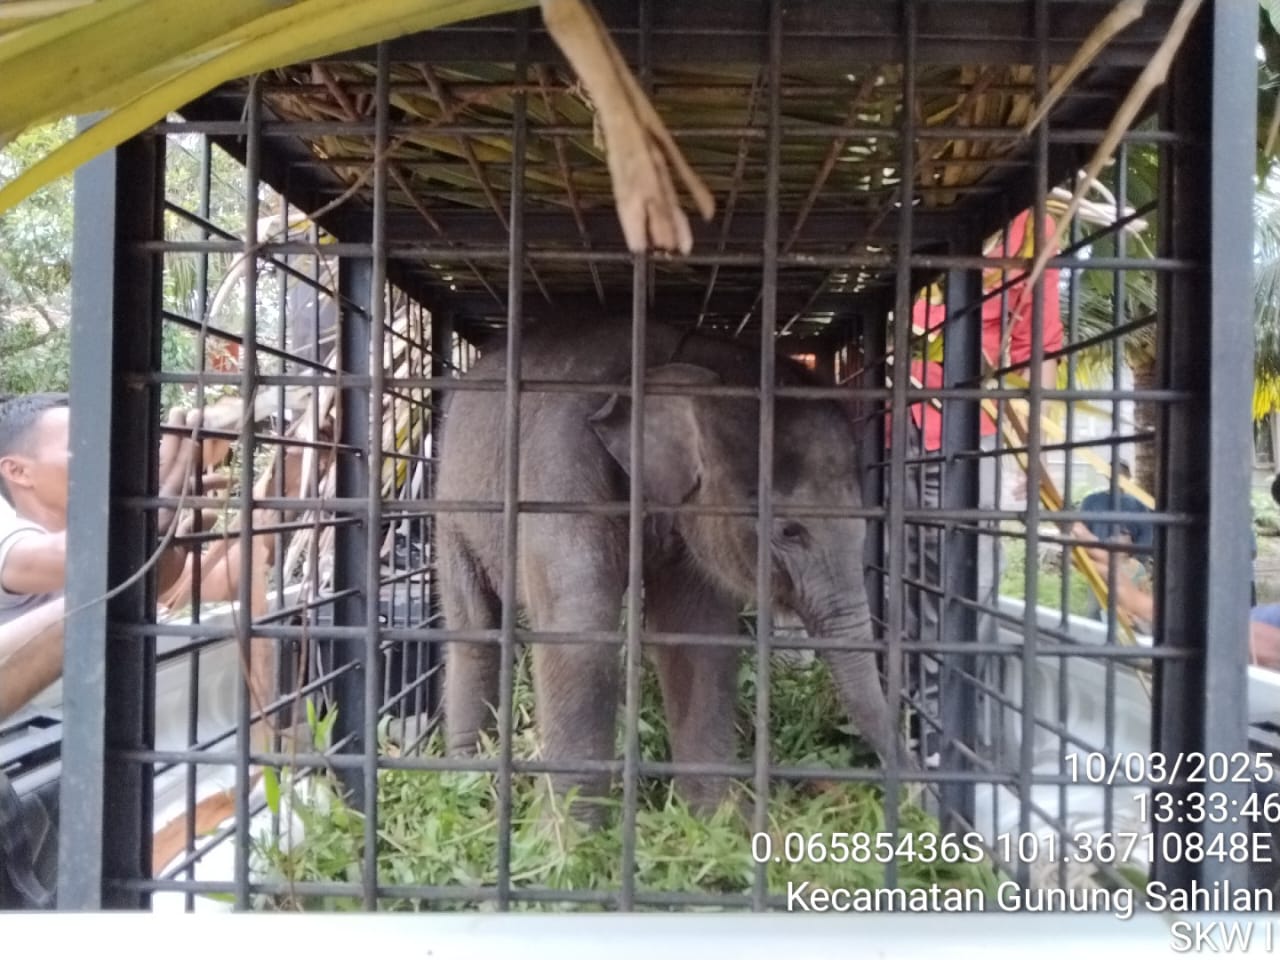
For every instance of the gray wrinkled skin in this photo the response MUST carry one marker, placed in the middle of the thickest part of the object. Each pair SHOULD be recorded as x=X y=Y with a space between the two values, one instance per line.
x=572 y=569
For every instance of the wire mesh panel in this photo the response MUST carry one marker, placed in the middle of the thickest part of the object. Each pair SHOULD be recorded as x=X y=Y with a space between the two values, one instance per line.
x=833 y=563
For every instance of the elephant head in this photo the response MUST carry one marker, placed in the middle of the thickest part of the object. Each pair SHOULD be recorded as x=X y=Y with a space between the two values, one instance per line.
x=704 y=450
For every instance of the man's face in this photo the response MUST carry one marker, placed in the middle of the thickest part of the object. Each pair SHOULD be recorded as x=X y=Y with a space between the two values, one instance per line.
x=38 y=473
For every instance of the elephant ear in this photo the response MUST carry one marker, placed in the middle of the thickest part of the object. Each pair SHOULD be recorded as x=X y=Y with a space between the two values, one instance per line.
x=671 y=461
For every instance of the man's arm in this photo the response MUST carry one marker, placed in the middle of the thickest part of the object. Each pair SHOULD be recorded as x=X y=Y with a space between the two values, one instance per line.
x=30 y=655
x=35 y=563
x=1264 y=645
x=1049 y=374
x=1132 y=586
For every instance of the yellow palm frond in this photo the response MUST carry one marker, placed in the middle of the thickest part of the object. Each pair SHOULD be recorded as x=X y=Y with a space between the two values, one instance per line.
x=138 y=60
x=1266 y=396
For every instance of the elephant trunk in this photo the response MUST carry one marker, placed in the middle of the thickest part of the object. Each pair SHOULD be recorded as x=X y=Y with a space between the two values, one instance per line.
x=855 y=673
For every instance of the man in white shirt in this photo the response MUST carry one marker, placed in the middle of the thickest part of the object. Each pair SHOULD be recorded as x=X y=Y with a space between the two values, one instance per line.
x=34 y=453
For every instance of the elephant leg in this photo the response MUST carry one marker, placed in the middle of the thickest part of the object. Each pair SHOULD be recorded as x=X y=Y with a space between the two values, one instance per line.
x=471 y=669
x=699 y=683
x=575 y=684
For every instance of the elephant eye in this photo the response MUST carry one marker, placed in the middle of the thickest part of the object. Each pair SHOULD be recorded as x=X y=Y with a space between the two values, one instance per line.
x=794 y=531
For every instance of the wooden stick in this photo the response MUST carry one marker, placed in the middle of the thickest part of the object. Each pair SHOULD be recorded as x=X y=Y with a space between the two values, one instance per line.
x=1122 y=14
x=640 y=150
x=1153 y=74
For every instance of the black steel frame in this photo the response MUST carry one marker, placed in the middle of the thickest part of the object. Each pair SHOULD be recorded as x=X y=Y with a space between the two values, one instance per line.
x=1202 y=562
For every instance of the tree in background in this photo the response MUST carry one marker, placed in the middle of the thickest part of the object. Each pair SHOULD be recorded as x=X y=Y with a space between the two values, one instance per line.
x=35 y=273
x=36 y=268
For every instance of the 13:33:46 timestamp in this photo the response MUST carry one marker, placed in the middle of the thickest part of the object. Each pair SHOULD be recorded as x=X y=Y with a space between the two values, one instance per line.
x=1167 y=806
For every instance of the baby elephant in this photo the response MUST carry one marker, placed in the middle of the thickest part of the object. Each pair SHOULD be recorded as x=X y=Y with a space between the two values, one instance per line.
x=698 y=570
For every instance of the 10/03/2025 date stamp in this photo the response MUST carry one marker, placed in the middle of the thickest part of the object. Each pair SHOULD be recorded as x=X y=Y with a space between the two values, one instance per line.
x=1160 y=769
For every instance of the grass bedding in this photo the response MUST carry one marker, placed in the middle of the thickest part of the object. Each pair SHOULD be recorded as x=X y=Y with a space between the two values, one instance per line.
x=440 y=829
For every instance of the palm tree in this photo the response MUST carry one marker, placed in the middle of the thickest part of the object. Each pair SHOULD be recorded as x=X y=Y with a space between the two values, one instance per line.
x=1097 y=315
x=1266 y=300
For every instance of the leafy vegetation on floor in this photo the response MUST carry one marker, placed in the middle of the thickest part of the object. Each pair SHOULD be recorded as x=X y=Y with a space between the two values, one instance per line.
x=440 y=829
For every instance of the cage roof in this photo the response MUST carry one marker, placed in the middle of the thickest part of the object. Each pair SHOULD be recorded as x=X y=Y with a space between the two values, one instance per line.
x=453 y=91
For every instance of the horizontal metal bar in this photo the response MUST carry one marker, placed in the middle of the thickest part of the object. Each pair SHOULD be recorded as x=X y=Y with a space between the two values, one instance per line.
x=795 y=131
x=296 y=274
x=203 y=850
x=527 y=387
x=837 y=226
x=267 y=439
x=816 y=33
x=496 y=254
x=218 y=333
x=450 y=894
x=213 y=536
x=268 y=710
x=418 y=507
x=730 y=87
x=648 y=768
x=407 y=635
x=1010 y=451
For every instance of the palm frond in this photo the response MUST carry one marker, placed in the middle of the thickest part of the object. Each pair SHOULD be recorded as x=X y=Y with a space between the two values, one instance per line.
x=1266 y=297
x=138 y=60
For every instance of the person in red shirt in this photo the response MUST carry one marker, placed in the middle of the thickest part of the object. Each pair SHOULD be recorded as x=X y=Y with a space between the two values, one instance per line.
x=1006 y=316
x=929 y=316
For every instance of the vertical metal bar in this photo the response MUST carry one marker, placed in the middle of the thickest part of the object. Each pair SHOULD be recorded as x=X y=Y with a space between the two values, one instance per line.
x=377 y=303
x=635 y=541
x=350 y=554
x=824 y=360
x=282 y=425
x=1073 y=322
x=898 y=439
x=1206 y=337
x=248 y=390
x=393 y=661
x=764 y=527
x=874 y=334
x=1030 y=619
x=441 y=361
x=1068 y=498
x=1119 y=316
x=202 y=259
x=202 y=358
x=280 y=454
x=309 y=651
x=108 y=683
x=961 y=435
x=511 y=462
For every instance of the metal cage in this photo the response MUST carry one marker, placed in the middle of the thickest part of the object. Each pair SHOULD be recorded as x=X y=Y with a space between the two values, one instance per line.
x=449 y=197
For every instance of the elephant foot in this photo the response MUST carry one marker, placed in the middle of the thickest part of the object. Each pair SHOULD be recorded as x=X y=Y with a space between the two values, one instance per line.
x=704 y=796
x=585 y=800
x=461 y=746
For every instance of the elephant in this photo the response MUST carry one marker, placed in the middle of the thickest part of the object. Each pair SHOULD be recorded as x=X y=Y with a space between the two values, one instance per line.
x=699 y=570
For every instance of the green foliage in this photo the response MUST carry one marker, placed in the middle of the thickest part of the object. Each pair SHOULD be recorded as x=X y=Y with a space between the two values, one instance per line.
x=33 y=358
x=35 y=242
x=440 y=828
x=35 y=273
x=1268 y=85
x=35 y=264
x=1266 y=284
